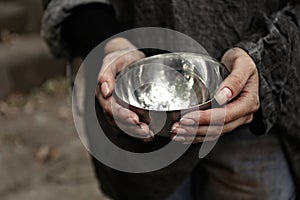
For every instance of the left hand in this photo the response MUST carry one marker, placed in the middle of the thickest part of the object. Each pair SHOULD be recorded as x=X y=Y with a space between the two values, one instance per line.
x=119 y=53
x=239 y=93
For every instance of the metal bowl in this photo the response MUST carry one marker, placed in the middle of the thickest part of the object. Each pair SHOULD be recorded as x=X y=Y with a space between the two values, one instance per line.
x=172 y=84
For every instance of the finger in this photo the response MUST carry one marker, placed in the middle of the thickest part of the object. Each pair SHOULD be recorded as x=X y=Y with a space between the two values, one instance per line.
x=130 y=125
x=113 y=64
x=242 y=67
x=228 y=127
x=116 y=112
x=202 y=117
x=123 y=114
x=202 y=139
x=246 y=103
x=140 y=131
x=251 y=91
x=213 y=130
x=192 y=131
x=192 y=140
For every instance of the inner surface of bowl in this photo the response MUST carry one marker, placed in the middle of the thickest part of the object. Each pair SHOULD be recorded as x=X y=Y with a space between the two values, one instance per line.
x=168 y=82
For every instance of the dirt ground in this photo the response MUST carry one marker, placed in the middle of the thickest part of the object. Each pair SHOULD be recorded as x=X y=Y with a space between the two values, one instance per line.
x=41 y=156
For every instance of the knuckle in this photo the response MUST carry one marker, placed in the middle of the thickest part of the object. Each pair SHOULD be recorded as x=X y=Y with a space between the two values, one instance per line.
x=198 y=139
x=133 y=56
x=202 y=117
x=127 y=56
x=248 y=63
x=101 y=79
x=237 y=83
x=237 y=59
x=256 y=102
x=139 y=54
x=109 y=58
x=252 y=66
x=229 y=129
x=249 y=119
x=106 y=108
x=228 y=118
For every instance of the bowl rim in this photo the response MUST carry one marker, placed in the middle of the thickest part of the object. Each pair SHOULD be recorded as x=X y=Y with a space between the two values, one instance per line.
x=205 y=57
x=200 y=106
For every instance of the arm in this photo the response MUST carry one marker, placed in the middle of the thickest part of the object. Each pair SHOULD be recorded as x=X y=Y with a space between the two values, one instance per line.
x=276 y=52
x=74 y=28
x=45 y=3
x=273 y=68
x=58 y=11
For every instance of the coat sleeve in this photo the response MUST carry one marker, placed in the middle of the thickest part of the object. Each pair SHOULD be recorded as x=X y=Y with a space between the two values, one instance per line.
x=56 y=12
x=274 y=45
x=45 y=3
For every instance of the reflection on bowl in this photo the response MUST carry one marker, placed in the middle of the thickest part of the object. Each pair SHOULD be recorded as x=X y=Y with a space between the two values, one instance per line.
x=173 y=83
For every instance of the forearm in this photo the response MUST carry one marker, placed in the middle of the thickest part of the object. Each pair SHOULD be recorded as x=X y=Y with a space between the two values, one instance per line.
x=88 y=26
x=91 y=23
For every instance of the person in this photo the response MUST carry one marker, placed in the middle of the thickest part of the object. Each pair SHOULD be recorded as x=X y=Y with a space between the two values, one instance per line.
x=261 y=41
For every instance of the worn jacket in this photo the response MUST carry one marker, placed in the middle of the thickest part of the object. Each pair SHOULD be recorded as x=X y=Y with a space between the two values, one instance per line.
x=268 y=30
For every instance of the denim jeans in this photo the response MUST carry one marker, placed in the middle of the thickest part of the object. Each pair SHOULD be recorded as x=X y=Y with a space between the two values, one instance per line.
x=241 y=166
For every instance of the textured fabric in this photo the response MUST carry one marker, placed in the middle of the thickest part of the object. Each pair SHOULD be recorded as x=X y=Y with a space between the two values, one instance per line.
x=244 y=166
x=157 y=185
x=257 y=171
x=241 y=166
x=276 y=53
x=268 y=30
x=56 y=12
x=45 y=3
x=81 y=34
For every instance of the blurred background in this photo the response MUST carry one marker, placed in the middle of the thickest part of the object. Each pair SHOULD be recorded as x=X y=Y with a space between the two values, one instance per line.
x=41 y=156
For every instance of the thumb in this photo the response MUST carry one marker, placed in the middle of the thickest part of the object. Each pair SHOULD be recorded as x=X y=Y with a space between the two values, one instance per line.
x=106 y=79
x=242 y=68
x=112 y=65
x=106 y=88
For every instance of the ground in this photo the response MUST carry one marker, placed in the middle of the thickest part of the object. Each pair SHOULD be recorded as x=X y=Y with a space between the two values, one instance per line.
x=41 y=156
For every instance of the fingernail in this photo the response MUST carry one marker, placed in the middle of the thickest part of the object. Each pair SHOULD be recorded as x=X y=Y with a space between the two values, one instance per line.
x=104 y=89
x=173 y=129
x=180 y=131
x=185 y=121
x=177 y=138
x=149 y=137
x=223 y=96
x=143 y=128
x=151 y=133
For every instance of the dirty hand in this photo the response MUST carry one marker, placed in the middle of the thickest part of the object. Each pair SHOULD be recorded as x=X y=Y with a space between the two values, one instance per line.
x=239 y=95
x=119 y=53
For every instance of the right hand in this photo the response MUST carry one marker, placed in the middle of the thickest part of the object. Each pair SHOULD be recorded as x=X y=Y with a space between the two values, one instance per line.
x=119 y=53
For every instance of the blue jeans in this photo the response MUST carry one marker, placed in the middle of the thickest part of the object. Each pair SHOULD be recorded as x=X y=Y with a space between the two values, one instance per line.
x=241 y=166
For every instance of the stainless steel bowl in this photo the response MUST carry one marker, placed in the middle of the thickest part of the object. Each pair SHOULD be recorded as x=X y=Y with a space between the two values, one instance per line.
x=172 y=83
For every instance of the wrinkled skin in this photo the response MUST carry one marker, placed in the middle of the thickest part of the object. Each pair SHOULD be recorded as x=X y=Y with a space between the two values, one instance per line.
x=238 y=93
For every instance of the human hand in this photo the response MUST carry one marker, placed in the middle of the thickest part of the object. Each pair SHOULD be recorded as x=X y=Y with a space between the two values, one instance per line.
x=239 y=90
x=119 y=53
